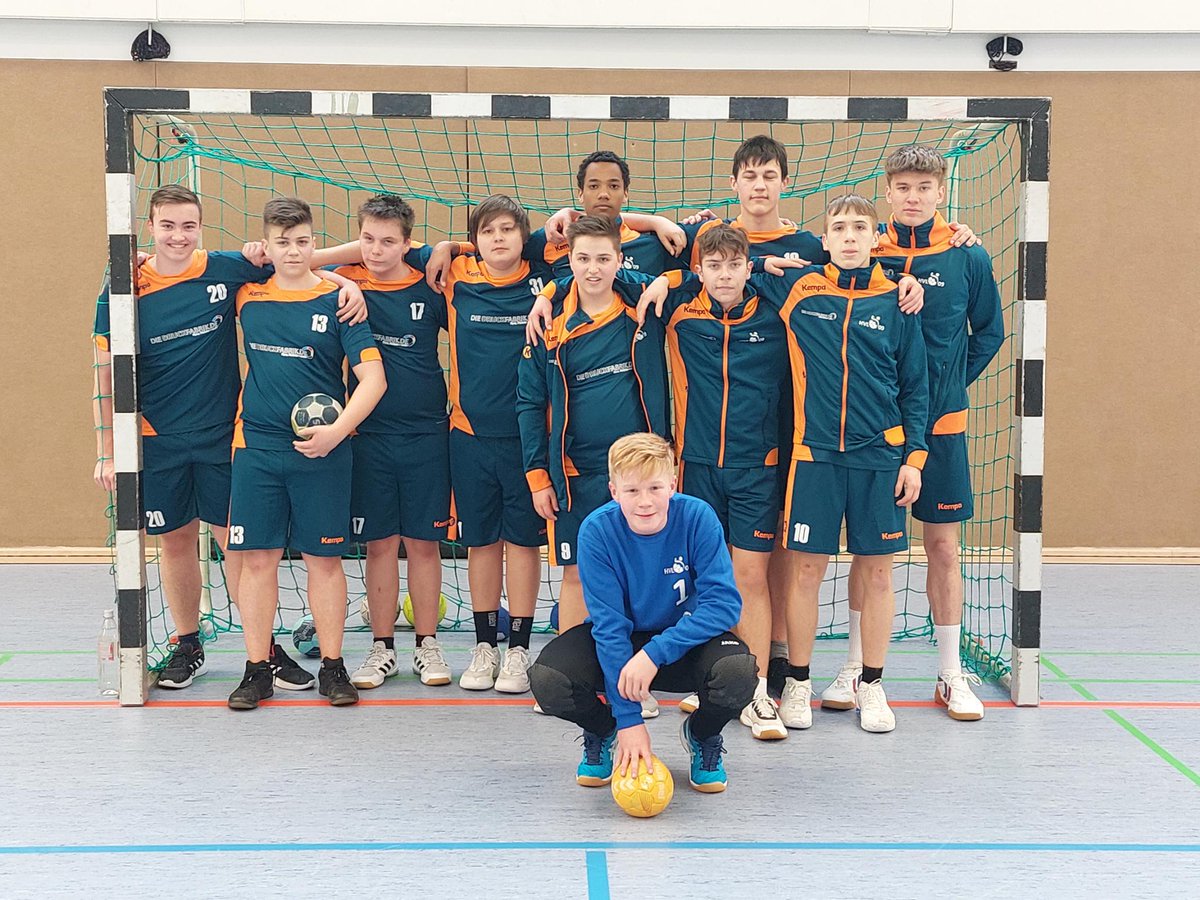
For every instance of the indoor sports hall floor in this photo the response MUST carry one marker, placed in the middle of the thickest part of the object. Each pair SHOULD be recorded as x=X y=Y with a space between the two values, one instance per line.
x=434 y=792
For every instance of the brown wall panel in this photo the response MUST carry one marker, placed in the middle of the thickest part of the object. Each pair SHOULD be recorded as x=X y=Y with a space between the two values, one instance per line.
x=1123 y=379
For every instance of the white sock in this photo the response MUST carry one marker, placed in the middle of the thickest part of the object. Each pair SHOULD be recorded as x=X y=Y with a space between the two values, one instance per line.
x=948 y=638
x=762 y=688
x=854 y=654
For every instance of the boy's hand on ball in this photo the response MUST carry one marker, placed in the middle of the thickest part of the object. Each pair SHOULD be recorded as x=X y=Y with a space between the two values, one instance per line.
x=634 y=682
x=633 y=743
x=319 y=440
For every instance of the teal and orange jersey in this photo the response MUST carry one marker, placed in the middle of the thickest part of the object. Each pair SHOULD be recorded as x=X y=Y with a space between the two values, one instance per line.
x=962 y=320
x=728 y=369
x=406 y=318
x=643 y=252
x=789 y=242
x=859 y=380
x=294 y=345
x=486 y=315
x=589 y=382
x=187 y=341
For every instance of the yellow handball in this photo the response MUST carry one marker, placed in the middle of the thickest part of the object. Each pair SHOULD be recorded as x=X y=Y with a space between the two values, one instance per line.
x=644 y=794
x=407 y=609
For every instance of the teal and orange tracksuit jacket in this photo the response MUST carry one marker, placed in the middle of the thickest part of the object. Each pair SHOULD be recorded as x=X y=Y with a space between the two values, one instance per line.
x=962 y=321
x=589 y=382
x=728 y=371
x=859 y=379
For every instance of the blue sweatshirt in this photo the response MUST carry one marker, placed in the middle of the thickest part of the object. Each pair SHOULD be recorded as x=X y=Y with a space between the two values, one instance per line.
x=677 y=583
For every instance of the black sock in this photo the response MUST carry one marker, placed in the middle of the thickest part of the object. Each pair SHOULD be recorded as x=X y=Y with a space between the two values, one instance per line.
x=389 y=641
x=519 y=631
x=420 y=638
x=257 y=666
x=870 y=674
x=485 y=627
x=328 y=662
x=192 y=638
x=800 y=673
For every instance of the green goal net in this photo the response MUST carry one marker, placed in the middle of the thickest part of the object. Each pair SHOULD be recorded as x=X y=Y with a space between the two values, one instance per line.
x=443 y=166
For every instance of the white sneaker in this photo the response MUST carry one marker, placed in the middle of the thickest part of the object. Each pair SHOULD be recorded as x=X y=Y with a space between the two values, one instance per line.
x=380 y=664
x=841 y=692
x=874 y=714
x=429 y=663
x=954 y=692
x=480 y=675
x=795 y=706
x=761 y=716
x=689 y=704
x=514 y=673
x=650 y=707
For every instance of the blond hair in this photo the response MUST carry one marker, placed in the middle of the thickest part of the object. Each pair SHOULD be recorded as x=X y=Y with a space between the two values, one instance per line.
x=640 y=455
x=855 y=204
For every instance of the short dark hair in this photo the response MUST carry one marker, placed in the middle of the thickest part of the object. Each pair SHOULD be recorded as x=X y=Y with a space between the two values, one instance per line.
x=173 y=193
x=723 y=241
x=286 y=212
x=758 y=150
x=493 y=208
x=388 y=208
x=594 y=226
x=602 y=156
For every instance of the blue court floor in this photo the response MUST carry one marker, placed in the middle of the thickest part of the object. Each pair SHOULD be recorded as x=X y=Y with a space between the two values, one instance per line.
x=439 y=793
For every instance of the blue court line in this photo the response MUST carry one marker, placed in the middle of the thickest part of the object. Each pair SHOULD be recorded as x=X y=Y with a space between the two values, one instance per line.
x=597 y=875
x=597 y=847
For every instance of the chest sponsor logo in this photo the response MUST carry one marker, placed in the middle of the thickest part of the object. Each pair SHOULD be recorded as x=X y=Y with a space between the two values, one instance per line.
x=405 y=341
x=640 y=335
x=676 y=568
x=933 y=279
x=194 y=331
x=827 y=316
x=614 y=369
x=288 y=352
x=630 y=263
x=873 y=323
x=755 y=338
x=500 y=320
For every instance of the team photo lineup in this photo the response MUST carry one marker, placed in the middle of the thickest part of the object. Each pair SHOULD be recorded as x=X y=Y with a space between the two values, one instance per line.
x=685 y=417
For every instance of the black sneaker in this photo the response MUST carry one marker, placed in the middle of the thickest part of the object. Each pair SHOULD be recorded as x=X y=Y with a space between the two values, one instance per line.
x=254 y=689
x=289 y=676
x=185 y=663
x=335 y=684
x=777 y=672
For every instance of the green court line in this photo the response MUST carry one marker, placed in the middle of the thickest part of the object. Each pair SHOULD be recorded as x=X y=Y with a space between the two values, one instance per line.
x=5 y=657
x=1160 y=751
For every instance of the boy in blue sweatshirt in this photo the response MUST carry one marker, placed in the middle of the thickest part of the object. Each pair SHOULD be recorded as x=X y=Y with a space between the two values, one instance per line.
x=658 y=584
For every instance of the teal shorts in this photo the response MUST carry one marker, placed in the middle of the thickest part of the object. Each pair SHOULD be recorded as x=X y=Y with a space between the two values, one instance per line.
x=946 y=494
x=821 y=495
x=282 y=499
x=588 y=493
x=186 y=477
x=401 y=485
x=491 y=496
x=746 y=501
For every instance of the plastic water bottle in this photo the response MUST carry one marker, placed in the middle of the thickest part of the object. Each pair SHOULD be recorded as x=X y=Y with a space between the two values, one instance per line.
x=106 y=654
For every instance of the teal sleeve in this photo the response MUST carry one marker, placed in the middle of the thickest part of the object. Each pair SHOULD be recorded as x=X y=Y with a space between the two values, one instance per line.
x=533 y=398
x=418 y=257
x=355 y=340
x=913 y=376
x=718 y=605
x=101 y=326
x=237 y=270
x=984 y=314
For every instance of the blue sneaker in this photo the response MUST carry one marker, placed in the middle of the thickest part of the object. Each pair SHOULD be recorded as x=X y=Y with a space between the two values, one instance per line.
x=707 y=773
x=596 y=767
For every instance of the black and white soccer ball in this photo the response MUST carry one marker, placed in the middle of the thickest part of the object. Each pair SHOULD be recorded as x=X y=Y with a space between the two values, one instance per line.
x=314 y=409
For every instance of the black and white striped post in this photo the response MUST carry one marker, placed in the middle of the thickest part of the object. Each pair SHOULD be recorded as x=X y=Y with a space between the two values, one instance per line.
x=1032 y=115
